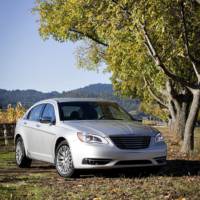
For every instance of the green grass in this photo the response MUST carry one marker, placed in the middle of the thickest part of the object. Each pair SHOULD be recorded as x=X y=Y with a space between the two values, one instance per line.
x=7 y=159
x=180 y=179
x=22 y=189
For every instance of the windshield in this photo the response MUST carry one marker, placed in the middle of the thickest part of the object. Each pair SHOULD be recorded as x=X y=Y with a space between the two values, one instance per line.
x=92 y=111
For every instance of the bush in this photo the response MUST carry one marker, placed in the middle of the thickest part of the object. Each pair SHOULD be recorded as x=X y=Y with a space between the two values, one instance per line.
x=11 y=114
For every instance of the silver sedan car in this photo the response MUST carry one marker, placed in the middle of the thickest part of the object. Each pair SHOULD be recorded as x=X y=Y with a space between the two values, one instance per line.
x=85 y=134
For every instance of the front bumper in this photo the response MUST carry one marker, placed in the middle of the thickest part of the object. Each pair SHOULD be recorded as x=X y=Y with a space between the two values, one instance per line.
x=105 y=156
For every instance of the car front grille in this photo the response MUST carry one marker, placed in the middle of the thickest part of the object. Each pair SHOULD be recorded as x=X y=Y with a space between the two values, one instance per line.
x=131 y=142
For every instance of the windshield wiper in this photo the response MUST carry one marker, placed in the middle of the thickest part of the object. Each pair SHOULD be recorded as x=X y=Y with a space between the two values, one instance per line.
x=104 y=117
x=116 y=119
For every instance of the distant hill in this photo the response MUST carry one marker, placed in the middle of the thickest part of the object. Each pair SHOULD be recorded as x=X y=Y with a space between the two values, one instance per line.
x=29 y=97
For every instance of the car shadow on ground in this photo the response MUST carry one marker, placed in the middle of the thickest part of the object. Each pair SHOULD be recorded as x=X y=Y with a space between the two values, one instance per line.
x=174 y=168
x=181 y=168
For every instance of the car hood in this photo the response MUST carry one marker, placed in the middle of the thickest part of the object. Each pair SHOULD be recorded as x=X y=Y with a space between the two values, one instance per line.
x=111 y=127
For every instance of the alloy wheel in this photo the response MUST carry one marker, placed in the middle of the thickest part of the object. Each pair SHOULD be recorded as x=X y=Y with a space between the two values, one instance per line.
x=64 y=162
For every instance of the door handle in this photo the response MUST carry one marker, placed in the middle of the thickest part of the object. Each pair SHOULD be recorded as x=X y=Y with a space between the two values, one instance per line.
x=37 y=125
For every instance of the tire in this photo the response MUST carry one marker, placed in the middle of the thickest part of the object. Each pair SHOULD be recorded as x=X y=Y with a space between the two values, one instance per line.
x=63 y=161
x=22 y=160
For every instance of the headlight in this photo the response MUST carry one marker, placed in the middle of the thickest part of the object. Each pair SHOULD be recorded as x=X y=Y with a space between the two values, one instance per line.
x=159 y=138
x=90 y=138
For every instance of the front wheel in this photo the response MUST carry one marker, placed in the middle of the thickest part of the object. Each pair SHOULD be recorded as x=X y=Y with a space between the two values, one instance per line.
x=63 y=160
x=22 y=160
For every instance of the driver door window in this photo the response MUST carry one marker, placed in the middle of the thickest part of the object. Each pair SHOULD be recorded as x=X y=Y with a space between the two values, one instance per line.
x=49 y=113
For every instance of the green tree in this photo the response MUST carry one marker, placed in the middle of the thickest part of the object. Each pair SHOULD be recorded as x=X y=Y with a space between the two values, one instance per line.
x=151 y=48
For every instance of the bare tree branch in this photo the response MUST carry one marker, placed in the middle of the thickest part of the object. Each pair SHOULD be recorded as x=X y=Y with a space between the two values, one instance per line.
x=95 y=39
x=172 y=110
x=172 y=95
x=198 y=1
x=158 y=99
x=186 y=41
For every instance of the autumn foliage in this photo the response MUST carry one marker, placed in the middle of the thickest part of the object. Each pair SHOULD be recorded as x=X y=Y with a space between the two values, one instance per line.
x=11 y=114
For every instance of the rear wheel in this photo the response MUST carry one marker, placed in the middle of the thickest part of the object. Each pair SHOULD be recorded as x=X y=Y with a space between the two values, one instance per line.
x=63 y=160
x=22 y=160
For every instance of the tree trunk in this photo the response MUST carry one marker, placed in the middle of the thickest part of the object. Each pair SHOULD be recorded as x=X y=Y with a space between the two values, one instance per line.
x=180 y=121
x=188 y=142
x=177 y=111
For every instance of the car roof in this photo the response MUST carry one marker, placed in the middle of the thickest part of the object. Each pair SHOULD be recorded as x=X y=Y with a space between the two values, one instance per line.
x=62 y=100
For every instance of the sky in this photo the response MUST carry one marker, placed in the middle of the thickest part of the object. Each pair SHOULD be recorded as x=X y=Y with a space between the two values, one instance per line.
x=28 y=62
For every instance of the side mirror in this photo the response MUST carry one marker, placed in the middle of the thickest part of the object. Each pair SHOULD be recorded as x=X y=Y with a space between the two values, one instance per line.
x=47 y=120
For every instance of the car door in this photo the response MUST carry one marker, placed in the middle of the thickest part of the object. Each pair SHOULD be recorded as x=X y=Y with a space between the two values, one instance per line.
x=47 y=129
x=31 y=126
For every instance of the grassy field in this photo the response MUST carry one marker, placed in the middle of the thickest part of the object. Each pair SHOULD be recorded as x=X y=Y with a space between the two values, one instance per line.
x=180 y=179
